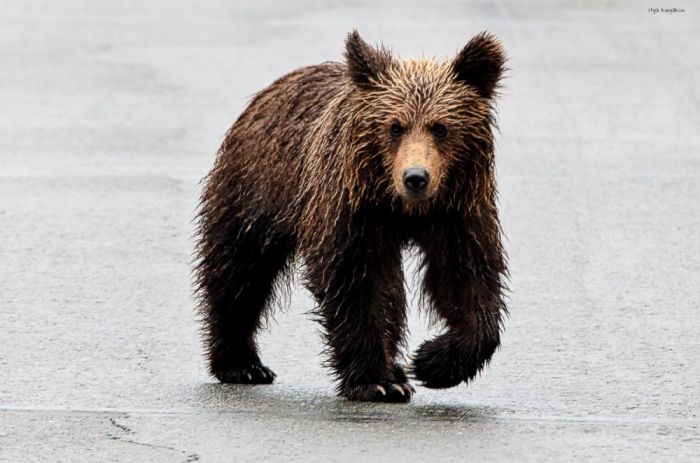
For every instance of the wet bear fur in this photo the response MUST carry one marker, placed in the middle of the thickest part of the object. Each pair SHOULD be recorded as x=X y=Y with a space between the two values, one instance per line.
x=315 y=174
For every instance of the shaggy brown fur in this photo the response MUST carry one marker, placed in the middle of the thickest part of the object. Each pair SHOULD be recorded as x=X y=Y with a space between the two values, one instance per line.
x=341 y=166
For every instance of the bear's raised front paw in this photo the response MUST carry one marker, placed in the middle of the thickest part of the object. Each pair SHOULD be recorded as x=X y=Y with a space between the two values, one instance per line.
x=437 y=364
x=252 y=374
x=381 y=392
x=445 y=361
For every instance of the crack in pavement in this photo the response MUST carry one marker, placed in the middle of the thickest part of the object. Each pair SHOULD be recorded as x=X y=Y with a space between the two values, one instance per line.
x=189 y=457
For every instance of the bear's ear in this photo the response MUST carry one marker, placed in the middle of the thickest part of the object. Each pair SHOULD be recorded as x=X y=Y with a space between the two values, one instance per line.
x=480 y=64
x=365 y=62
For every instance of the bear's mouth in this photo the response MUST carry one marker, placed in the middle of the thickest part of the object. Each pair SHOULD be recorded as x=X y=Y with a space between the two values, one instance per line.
x=417 y=196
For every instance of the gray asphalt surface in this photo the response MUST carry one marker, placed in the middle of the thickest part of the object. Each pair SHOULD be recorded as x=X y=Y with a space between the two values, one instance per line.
x=112 y=112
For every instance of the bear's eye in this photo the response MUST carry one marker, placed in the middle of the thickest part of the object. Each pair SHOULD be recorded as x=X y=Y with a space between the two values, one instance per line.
x=439 y=130
x=396 y=130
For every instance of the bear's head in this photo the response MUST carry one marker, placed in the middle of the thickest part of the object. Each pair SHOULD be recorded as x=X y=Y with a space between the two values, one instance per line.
x=428 y=124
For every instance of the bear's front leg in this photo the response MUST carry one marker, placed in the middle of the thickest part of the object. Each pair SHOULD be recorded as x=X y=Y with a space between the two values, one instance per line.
x=464 y=286
x=361 y=299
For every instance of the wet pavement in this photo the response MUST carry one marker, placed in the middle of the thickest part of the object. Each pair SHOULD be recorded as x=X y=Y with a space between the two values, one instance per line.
x=112 y=112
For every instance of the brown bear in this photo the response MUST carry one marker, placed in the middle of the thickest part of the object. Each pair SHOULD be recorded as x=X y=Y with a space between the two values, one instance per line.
x=339 y=167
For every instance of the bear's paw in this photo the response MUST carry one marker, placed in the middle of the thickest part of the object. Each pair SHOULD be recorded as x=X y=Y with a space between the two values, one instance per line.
x=381 y=392
x=438 y=364
x=252 y=374
x=448 y=360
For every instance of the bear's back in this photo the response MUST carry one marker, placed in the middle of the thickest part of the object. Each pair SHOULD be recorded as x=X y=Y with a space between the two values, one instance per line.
x=287 y=109
x=266 y=148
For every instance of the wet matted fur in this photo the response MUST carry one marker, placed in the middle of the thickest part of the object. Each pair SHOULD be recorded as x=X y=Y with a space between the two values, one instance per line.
x=316 y=171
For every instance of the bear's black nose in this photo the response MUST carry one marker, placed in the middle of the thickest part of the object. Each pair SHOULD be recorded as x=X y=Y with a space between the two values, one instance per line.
x=416 y=179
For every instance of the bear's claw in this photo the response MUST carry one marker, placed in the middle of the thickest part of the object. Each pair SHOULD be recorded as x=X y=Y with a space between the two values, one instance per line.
x=253 y=374
x=384 y=392
x=395 y=389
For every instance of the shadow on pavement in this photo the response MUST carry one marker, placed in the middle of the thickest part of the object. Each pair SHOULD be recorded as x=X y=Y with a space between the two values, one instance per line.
x=282 y=401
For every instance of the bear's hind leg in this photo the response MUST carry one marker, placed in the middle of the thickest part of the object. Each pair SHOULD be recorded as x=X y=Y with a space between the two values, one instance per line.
x=236 y=277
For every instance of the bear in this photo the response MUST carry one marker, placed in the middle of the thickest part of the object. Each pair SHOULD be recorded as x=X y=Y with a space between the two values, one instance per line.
x=333 y=171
